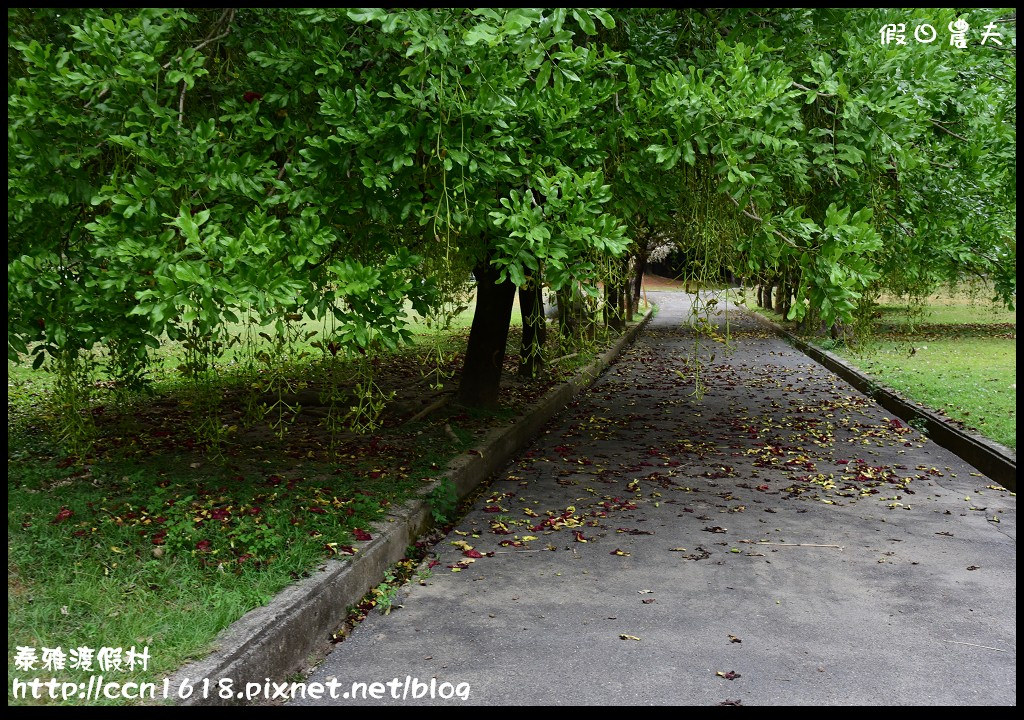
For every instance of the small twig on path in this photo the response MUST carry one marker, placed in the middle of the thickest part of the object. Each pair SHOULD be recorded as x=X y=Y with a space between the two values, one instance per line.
x=957 y=642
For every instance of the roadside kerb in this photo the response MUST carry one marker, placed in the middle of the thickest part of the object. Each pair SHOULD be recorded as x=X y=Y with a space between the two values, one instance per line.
x=269 y=642
x=994 y=460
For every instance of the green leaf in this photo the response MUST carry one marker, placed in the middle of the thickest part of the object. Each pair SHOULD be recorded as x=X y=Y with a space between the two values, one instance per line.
x=543 y=75
x=585 y=22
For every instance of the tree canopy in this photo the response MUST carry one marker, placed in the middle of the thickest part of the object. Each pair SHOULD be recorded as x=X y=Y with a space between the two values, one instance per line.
x=171 y=171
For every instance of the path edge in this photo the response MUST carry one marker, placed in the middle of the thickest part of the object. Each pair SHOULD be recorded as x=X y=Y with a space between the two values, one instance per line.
x=989 y=457
x=270 y=642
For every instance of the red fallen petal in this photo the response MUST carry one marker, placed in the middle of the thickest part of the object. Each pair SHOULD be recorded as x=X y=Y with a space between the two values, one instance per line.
x=492 y=509
x=433 y=564
x=251 y=96
x=472 y=553
x=346 y=550
x=579 y=536
x=361 y=535
x=61 y=516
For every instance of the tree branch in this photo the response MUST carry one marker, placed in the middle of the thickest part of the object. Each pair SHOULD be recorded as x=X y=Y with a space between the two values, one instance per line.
x=229 y=13
x=754 y=216
x=946 y=130
x=181 y=104
x=99 y=97
x=807 y=89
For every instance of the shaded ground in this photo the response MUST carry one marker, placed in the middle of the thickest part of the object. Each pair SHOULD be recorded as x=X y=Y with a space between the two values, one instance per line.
x=784 y=532
x=128 y=540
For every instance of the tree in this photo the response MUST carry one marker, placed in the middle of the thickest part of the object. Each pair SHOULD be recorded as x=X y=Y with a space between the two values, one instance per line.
x=172 y=171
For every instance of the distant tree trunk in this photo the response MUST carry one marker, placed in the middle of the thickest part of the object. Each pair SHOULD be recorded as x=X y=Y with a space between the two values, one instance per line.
x=613 y=308
x=485 y=353
x=780 y=294
x=531 y=305
x=787 y=297
x=840 y=332
x=638 y=279
x=570 y=313
x=635 y=282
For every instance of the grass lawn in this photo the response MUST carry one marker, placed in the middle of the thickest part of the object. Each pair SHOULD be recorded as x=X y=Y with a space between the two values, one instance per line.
x=956 y=353
x=148 y=540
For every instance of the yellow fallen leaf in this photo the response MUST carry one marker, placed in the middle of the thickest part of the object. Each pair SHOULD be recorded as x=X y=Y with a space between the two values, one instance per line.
x=623 y=636
x=528 y=538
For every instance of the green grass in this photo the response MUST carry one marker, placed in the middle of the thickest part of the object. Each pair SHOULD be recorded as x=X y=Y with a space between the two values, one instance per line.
x=162 y=554
x=956 y=353
x=148 y=541
x=970 y=379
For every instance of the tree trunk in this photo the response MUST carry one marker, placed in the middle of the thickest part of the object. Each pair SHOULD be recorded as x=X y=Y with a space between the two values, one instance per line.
x=612 y=308
x=638 y=278
x=780 y=294
x=531 y=305
x=787 y=298
x=485 y=353
x=569 y=313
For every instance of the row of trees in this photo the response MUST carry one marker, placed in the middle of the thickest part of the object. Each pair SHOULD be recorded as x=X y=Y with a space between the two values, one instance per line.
x=173 y=171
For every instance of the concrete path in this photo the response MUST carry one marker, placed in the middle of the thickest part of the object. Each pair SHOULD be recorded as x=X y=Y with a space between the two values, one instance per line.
x=781 y=531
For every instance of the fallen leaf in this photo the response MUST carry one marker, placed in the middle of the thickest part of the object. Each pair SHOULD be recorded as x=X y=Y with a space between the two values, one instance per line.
x=733 y=638
x=629 y=637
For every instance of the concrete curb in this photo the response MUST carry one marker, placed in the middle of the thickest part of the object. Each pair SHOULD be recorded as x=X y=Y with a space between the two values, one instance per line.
x=270 y=642
x=994 y=460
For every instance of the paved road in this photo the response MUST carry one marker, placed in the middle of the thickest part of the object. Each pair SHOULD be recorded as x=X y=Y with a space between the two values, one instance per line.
x=852 y=561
